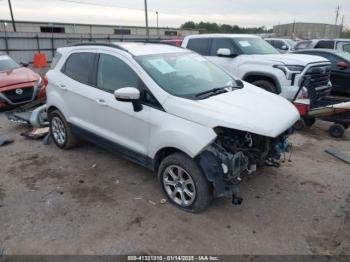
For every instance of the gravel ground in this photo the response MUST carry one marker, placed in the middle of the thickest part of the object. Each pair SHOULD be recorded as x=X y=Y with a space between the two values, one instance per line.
x=89 y=201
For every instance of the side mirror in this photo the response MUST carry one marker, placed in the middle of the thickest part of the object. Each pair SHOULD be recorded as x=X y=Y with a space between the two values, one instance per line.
x=225 y=52
x=284 y=47
x=342 y=65
x=129 y=94
x=24 y=64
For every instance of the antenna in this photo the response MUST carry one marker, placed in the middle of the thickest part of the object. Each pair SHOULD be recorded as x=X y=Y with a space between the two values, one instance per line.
x=337 y=14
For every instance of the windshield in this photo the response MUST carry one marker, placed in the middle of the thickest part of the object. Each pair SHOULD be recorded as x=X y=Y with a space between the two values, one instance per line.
x=255 y=46
x=6 y=63
x=185 y=74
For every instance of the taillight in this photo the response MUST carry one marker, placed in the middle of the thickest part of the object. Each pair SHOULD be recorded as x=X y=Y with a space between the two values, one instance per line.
x=46 y=81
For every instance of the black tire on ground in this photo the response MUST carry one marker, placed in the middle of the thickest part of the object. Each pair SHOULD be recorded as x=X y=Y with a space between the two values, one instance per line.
x=202 y=188
x=309 y=121
x=70 y=139
x=336 y=130
x=266 y=85
x=299 y=125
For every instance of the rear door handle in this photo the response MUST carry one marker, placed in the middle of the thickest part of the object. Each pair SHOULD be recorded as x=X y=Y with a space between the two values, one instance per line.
x=101 y=102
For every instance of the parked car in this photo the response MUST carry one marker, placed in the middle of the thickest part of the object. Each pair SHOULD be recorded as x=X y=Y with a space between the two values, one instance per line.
x=170 y=110
x=337 y=44
x=254 y=60
x=340 y=72
x=18 y=85
x=175 y=42
x=282 y=45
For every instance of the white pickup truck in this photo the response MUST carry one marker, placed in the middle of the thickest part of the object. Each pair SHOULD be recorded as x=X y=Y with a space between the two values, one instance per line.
x=255 y=61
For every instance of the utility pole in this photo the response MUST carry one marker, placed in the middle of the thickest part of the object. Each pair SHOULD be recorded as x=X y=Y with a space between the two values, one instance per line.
x=146 y=15
x=157 y=24
x=13 y=20
x=337 y=14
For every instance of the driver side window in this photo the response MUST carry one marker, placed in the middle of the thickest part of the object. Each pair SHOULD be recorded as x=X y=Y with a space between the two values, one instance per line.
x=113 y=74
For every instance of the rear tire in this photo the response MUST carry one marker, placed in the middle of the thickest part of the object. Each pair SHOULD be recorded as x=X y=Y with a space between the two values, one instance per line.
x=266 y=85
x=336 y=130
x=299 y=125
x=60 y=131
x=309 y=121
x=184 y=183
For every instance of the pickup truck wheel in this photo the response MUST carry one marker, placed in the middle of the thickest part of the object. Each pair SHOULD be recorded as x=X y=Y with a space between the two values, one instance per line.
x=60 y=131
x=266 y=85
x=184 y=183
x=309 y=121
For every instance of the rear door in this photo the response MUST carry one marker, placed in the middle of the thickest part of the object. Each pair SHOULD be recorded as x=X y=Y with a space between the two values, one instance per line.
x=76 y=88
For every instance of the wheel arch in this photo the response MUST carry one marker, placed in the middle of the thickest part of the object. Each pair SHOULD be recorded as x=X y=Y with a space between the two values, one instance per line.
x=254 y=76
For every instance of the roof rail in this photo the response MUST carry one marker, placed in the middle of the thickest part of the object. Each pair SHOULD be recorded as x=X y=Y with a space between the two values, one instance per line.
x=113 y=45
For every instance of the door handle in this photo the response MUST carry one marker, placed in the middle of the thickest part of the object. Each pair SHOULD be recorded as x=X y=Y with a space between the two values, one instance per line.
x=63 y=87
x=101 y=102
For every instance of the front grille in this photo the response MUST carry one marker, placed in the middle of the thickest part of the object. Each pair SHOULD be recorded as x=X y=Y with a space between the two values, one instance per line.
x=16 y=96
x=316 y=81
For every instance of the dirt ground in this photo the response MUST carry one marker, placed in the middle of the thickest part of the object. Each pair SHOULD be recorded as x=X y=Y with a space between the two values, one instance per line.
x=89 y=201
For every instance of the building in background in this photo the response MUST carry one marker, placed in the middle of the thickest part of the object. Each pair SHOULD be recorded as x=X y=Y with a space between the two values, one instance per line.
x=307 y=30
x=70 y=28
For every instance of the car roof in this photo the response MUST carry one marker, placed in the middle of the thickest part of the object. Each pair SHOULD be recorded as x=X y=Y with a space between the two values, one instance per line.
x=318 y=50
x=223 y=36
x=138 y=49
x=133 y=48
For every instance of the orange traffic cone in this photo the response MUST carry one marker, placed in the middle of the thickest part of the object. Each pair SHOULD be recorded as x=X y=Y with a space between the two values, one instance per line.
x=40 y=60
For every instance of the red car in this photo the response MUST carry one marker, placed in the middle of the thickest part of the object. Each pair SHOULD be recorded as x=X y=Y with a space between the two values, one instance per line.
x=19 y=85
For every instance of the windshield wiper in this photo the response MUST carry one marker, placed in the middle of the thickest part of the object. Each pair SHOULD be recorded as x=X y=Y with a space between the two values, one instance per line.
x=215 y=91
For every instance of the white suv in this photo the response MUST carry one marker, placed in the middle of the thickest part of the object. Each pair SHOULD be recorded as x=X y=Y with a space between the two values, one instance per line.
x=254 y=60
x=170 y=110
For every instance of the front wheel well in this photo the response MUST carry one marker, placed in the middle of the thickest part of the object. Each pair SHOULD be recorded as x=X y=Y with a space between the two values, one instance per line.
x=163 y=153
x=253 y=78
x=51 y=109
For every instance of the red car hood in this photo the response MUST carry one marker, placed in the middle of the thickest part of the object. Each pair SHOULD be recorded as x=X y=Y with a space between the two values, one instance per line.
x=17 y=76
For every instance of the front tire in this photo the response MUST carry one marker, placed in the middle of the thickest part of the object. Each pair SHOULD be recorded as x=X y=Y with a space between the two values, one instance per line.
x=184 y=183
x=266 y=85
x=60 y=131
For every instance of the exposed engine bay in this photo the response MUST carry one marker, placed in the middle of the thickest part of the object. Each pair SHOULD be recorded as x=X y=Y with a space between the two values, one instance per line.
x=235 y=153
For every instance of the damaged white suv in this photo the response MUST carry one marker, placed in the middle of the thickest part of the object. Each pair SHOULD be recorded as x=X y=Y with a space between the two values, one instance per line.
x=170 y=110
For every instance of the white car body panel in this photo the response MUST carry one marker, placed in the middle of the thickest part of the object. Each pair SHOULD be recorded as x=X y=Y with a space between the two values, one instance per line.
x=248 y=109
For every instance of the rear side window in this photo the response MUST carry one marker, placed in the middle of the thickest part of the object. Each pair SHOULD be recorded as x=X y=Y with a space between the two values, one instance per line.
x=199 y=45
x=302 y=45
x=218 y=43
x=79 y=66
x=113 y=74
x=325 y=44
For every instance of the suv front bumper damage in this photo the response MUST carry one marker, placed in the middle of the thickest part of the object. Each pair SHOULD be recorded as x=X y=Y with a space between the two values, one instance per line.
x=225 y=168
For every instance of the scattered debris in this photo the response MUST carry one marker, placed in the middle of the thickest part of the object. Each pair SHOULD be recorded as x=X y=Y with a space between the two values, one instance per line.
x=36 y=133
x=138 y=198
x=151 y=202
x=162 y=201
x=5 y=141
x=338 y=154
x=94 y=166
x=81 y=181
x=115 y=180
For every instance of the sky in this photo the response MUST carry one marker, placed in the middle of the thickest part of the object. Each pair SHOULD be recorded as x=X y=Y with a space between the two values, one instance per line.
x=173 y=13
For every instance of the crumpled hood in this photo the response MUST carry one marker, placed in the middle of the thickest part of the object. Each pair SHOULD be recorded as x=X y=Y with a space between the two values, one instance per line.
x=291 y=59
x=17 y=76
x=248 y=109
